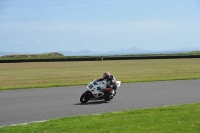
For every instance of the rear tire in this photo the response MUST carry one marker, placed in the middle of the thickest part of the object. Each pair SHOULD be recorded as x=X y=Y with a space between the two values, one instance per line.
x=107 y=97
x=85 y=97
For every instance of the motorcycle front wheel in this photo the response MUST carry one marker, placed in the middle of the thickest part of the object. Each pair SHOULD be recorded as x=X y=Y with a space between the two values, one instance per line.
x=85 y=97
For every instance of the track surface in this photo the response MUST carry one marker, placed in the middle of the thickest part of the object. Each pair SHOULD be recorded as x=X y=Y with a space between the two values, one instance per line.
x=28 y=105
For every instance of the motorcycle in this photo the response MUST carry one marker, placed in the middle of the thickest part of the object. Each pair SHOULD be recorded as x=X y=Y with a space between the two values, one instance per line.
x=97 y=90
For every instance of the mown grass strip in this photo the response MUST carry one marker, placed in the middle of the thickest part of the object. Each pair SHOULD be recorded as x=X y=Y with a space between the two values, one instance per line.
x=172 y=119
x=49 y=74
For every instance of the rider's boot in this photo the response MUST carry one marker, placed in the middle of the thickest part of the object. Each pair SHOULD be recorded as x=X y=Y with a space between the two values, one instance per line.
x=111 y=96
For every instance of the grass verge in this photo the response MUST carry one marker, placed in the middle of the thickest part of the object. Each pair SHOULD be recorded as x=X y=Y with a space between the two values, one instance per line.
x=50 y=74
x=173 y=119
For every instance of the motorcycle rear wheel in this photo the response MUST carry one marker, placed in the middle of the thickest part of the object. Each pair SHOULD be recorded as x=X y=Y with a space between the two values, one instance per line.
x=107 y=97
x=85 y=97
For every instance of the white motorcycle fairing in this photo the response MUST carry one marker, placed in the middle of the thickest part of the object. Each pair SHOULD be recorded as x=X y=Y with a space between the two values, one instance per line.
x=95 y=91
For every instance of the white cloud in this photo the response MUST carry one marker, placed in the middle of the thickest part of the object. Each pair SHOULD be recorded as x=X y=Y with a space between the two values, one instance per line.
x=134 y=26
x=22 y=42
x=64 y=42
x=64 y=7
x=37 y=42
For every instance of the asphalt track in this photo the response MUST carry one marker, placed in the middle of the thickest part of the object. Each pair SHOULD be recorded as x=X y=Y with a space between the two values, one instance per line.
x=29 y=105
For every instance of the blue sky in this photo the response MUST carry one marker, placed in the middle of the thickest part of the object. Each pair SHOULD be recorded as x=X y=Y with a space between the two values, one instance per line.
x=37 y=26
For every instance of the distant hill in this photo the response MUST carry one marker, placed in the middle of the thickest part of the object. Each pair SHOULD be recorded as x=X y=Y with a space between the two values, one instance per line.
x=132 y=50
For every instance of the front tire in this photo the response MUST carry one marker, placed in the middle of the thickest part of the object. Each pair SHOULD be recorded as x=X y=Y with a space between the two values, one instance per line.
x=85 y=97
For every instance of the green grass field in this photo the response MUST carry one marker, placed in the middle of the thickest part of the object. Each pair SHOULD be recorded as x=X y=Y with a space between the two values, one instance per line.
x=175 y=119
x=49 y=74
x=172 y=119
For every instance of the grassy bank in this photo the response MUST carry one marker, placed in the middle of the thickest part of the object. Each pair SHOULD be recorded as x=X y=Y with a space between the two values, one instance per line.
x=49 y=74
x=172 y=119
x=53 y=55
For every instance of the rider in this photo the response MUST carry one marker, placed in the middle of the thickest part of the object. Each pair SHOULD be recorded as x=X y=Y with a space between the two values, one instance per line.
x=110 y=80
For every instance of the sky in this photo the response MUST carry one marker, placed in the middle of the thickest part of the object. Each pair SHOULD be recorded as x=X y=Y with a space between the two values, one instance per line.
x=40 y=26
